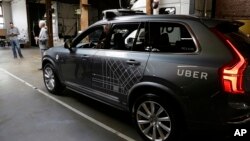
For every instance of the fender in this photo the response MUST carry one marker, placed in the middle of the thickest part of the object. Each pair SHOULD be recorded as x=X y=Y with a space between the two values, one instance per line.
x=50 y=60
x=171 y=91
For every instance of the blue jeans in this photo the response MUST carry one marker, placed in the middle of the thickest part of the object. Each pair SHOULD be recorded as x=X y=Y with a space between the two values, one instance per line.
x=16 y=46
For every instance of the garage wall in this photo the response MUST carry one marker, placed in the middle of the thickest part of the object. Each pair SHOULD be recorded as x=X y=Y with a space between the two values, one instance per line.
x=93 y=15
x=7 y=14
x=67 y=19
x=236 y=9
x=19 y=18
x=200 y=10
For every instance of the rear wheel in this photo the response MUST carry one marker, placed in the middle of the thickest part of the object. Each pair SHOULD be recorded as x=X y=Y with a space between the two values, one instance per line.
x=51 y=80
x=155 y=119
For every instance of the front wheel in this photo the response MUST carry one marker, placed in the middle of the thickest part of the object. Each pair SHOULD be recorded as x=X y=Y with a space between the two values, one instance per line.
x=51 y=81
x=155 y=119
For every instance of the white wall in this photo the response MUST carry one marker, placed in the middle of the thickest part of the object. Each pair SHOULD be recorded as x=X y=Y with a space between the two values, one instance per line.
x=182 y=6
x=139 y=5
x=7 y=14
x=19 y=18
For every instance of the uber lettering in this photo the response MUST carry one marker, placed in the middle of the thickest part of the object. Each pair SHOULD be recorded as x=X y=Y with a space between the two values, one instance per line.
x=192 y=74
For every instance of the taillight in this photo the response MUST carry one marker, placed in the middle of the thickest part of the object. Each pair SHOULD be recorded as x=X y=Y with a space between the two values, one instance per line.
x=232 y=73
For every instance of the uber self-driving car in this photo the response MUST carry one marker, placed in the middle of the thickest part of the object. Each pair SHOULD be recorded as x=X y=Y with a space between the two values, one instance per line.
x=170 y=72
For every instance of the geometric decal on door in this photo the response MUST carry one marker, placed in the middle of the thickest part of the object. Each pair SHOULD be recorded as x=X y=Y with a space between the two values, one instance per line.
x=116 y=75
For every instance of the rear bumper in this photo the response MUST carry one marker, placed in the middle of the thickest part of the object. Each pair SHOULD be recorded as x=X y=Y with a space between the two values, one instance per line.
x=234 y=114
x=225 y=113
x=243 y=118
x=238 y=109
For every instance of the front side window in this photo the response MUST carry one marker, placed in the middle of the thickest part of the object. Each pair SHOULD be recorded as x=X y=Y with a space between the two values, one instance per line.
x=90 y=38
x=171 y=37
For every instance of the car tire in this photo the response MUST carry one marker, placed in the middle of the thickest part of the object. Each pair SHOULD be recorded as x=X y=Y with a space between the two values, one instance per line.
x=155 y=119
x=51 y=80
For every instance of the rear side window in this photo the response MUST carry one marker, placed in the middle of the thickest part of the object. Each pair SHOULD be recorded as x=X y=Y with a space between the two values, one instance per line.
x=171 y=37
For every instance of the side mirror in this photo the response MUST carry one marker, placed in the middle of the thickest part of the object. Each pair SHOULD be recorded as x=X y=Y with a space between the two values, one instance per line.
x=68 y=44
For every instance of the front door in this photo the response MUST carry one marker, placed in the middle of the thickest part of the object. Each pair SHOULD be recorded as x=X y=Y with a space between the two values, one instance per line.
x=76 y=65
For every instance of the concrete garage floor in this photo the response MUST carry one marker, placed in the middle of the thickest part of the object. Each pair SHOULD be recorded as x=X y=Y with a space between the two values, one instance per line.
x=29 y=113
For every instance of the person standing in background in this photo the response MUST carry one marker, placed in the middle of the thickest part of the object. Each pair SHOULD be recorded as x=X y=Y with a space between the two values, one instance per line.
x=13 y=32
x=43 y=38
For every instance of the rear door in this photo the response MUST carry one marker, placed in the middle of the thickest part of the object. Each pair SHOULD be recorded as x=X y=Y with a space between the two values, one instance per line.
x=117 y=68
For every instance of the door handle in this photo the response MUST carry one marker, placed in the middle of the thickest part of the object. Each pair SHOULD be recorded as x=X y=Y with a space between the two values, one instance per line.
x=61 y=60
x=85 y=56
x=133 y=62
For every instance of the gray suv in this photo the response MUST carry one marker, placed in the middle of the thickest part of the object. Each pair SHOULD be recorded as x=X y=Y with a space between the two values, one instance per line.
x=170 y=72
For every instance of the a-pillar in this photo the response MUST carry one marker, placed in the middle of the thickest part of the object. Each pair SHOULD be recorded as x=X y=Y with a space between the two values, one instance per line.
x=84 y=14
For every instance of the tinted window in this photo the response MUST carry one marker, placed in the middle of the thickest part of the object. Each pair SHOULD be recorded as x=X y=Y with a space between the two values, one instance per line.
x=126 y=36
x=170 y=37
x=90 y=38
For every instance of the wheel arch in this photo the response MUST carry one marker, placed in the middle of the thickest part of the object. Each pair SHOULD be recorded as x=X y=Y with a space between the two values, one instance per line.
x=48 y=60
x=170 y=94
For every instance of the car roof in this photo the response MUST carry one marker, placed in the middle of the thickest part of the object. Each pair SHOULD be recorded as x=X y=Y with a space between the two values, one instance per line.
x=215 y=22
x=209 y=22
x=137 y=18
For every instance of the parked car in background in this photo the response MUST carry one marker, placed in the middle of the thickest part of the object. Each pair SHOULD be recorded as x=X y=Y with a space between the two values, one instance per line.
x=171 y=72
x=111 y=13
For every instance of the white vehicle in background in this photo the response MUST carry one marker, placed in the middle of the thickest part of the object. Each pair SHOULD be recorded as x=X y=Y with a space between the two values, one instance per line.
x=166 y=6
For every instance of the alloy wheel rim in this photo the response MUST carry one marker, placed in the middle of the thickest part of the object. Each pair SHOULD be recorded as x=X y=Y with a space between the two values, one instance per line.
x=153 y=121
x=49 y=78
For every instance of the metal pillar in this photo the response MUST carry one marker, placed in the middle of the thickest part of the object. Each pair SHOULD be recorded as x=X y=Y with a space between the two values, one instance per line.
x=149 y=8
x=84 y=14
x=49 y=22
